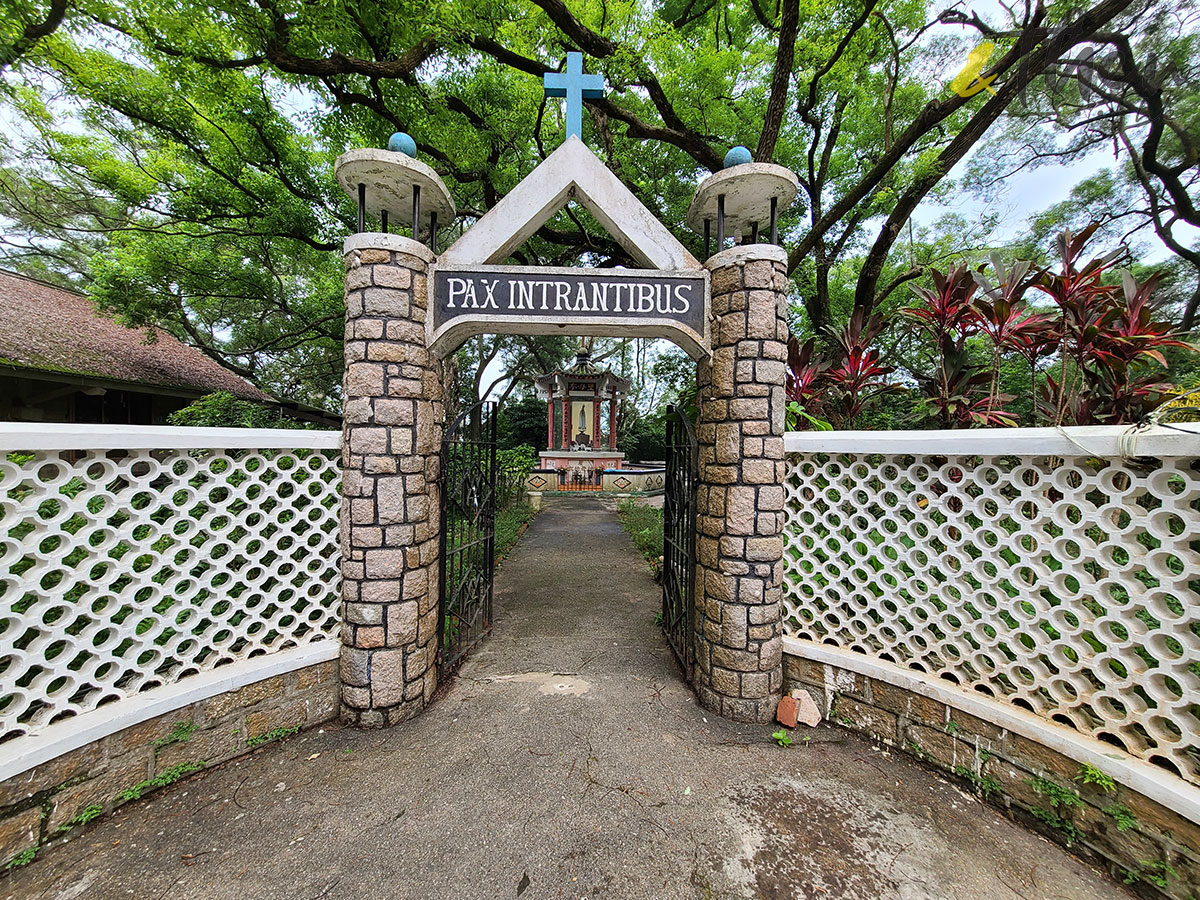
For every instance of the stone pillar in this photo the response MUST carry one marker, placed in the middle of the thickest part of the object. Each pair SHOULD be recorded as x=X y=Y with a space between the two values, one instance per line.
x=391 y=510
x=550 y=420
x=566 y=419
x=739 y=521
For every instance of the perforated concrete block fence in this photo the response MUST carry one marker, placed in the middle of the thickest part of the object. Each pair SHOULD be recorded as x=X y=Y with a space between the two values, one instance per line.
x=146 y=569
x=1047 y=578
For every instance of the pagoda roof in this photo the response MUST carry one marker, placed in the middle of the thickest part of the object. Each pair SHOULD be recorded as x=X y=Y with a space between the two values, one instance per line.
x=583 y=370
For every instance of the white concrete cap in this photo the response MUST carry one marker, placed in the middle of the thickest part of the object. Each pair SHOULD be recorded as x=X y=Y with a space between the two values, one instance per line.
x=748 y=190
x=572 y=172
x=389 y=178
x=740 y=254
x=376 y=240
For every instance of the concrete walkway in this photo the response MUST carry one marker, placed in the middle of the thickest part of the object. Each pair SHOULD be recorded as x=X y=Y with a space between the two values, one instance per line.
x=566 y=761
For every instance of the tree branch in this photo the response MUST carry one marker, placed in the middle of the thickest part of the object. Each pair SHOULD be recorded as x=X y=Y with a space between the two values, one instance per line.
x=34 y=32
x=1035 y=50
x=780 y=80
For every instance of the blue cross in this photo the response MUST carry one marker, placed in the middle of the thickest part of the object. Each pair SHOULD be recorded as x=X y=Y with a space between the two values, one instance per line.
x=576 y=87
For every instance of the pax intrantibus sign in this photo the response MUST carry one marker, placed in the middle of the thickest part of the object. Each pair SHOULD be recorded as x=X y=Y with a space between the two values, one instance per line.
x=590 y=301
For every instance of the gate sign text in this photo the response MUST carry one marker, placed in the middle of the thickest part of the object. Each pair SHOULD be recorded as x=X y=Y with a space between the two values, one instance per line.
x=603 y=302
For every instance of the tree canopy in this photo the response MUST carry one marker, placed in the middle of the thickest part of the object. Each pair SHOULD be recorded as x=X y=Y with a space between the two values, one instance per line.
x=177 y=156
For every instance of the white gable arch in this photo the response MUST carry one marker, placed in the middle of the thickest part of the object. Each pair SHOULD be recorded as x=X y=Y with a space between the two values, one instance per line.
x=572 y=172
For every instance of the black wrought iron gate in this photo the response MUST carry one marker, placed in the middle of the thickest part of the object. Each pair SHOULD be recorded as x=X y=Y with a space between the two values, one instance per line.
x=468 y=533
x=679 y=537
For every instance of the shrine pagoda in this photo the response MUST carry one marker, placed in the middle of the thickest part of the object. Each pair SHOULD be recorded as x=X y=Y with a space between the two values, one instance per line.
x=581 y=448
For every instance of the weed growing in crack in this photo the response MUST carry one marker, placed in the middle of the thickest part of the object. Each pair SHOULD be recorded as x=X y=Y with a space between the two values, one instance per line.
x=985 y=784
x=1151 y=871
x=21 y=859
x=168 y=776
x=89 y=812
x=1089 y=774
x=273 y=735
x=1123 y=816
x=180 y=733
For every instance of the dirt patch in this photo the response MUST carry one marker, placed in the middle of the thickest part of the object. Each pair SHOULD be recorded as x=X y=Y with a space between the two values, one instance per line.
x=824 y=839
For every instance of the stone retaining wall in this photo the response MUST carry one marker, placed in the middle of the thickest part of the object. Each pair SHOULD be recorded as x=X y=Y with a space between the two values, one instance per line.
x=50 y=800
x=1141 y=842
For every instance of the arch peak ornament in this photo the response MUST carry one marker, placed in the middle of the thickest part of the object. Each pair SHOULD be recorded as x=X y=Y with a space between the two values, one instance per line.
x=575 y=87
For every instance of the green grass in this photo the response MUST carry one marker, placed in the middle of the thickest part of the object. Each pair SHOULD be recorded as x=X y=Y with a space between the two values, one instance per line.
x=509 y=523
x=645 y=525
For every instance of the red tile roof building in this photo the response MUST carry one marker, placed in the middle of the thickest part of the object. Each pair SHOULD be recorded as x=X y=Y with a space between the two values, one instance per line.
x=60 y=361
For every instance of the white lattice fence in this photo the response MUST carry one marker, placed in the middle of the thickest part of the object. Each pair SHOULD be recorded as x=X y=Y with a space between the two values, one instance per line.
x=1035 y=566
x=132 y=559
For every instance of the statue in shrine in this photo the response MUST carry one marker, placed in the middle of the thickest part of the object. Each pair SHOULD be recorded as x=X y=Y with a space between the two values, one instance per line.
x=583 y=440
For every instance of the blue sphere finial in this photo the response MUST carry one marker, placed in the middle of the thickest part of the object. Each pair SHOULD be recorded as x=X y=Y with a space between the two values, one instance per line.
x=402 y=143
x=737 y=156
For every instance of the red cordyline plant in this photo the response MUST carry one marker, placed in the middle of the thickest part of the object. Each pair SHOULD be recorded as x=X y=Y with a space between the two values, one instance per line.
x=1105 y=337
x=858 y=372
x=949 y=314
x=1120 y=388
x=806 y=382
x=1003 y=315
x=838 y=389
x=1083 y=300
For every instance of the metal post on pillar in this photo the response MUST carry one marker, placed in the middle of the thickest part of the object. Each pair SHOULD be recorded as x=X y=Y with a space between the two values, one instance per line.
x=389 y=182
x=746 y=198
x=416 y=222
x=720 y=222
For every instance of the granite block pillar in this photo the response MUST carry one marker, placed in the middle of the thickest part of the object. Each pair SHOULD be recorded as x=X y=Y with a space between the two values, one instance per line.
x=739 y=521
x=391 y=458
